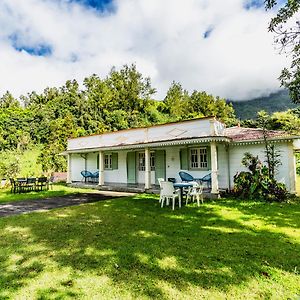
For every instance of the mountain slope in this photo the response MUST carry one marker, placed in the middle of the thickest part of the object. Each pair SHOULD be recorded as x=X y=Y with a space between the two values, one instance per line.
x=248 y=109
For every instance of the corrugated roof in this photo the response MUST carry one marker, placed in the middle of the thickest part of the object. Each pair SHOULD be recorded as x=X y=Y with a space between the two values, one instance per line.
x=246 y=134
x=146 y=127
x=197 y=128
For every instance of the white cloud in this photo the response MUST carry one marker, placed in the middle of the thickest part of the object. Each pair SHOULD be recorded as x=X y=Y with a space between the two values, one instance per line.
x=164 y=38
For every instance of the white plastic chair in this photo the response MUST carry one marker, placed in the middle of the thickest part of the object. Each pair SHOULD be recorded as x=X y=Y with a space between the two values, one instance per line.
x=195 y=192
x=160 y=180
x=168 y=192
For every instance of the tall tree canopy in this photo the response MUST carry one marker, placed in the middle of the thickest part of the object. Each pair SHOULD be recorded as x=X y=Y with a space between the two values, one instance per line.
x=286 y=27
x=121 y=100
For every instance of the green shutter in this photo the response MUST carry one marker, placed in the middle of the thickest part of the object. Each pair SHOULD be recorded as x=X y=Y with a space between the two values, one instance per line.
x=184 y=159
x=114 y=158
x=97 y=161
x=160 y=164
x=131 y=167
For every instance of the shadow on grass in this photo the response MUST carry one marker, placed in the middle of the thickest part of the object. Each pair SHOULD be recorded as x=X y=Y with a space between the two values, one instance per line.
x=56 y=190
x=141 y=247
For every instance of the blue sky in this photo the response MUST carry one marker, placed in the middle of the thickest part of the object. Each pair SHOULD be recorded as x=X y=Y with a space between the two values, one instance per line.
x=222 y=47
x=101 y=5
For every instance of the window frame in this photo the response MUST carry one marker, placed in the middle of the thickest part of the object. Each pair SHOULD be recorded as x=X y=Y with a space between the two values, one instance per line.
x=142 y=167
x=109 y=165
x=152 y=161
x=198 y=160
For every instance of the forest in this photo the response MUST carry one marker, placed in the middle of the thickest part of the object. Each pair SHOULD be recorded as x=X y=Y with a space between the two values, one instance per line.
x=38 y=125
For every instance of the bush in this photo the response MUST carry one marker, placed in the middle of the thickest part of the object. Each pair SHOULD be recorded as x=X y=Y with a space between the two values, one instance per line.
x=257 y=183
x=9 y=169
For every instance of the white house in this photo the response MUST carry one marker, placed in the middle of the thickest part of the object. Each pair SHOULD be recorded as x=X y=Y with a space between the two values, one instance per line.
x=139 y=156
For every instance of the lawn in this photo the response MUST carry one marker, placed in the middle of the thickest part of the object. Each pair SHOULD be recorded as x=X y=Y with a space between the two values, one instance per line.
x=55 y=191
x=131 y=248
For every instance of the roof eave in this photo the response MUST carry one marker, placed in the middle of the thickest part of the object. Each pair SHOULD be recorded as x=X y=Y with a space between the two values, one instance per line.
x=152 y=144
x=259 y=141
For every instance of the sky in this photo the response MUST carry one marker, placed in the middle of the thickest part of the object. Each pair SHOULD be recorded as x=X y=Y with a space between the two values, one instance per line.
x=221 y=47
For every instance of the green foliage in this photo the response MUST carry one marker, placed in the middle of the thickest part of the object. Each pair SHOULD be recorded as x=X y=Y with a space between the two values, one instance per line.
x=286 y=28
x=9 y=169
x=9 y=165
x=257 y=182
x=287 y=121
x=275 y=102
x=130 y=248
x=121 y=100
x=19 y=163
x=180 y=105
x=297 y=163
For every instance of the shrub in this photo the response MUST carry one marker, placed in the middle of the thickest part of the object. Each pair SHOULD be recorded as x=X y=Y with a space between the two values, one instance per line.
x=257 y=182
x=10 y=168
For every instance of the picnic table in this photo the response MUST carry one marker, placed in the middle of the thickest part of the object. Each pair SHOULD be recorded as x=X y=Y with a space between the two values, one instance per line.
x=21 y=185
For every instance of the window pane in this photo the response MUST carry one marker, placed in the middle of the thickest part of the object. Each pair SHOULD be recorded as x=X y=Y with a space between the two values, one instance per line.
x=152 y=161
x=203 y=157
x=198 y=158
x=142 y=161
x=107 y=161
x=194 y=158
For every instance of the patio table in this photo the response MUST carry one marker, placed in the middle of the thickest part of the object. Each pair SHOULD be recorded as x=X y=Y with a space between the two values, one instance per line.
x=21 y=184
x=181 y=186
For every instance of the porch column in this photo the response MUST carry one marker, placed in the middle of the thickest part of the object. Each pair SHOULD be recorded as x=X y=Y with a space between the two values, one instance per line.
x=69 y=173
x=147 y=169
x=101 y=168
x=214 y=169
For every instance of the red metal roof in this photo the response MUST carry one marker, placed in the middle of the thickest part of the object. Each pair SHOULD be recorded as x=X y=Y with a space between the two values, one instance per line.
x=245 y=134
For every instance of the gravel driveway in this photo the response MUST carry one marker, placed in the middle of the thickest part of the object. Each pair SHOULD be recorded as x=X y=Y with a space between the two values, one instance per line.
x=21 y=207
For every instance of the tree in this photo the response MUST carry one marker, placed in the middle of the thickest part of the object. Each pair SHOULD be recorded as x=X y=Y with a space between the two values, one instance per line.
x=8 y=101
x=287 y=36
x=176 y=101
x=272 y=154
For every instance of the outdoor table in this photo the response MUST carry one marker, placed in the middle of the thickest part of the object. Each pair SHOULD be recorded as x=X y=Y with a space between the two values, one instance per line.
x=21 y=183
x=181 y=186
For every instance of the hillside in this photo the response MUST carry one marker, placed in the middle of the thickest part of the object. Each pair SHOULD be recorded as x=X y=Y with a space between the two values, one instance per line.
x=279 y=101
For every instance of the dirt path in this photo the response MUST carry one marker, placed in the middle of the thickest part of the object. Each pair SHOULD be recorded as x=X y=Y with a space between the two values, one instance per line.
x=21 y=207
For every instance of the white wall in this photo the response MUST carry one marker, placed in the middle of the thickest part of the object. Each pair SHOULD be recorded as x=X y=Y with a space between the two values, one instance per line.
x=119 y=175
x=223 y=175
x=141 y=177
x=173 y=166
x=236 y=153
x=92 y=162
x=77 y=165
x=286 y=170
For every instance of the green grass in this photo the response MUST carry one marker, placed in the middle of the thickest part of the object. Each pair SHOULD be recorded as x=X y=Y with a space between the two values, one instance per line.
x=298 y=185
x=58 y=190
x=131 y=248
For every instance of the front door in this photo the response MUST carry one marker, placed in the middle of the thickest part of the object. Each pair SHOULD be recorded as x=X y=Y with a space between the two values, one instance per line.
x=160 y=165
x=131 y=167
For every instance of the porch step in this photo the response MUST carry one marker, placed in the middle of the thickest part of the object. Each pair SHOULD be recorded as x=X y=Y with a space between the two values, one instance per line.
x=138 y=188
x=121 y=189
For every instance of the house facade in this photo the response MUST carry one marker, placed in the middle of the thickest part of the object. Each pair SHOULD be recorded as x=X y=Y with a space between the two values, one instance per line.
x=140 y=156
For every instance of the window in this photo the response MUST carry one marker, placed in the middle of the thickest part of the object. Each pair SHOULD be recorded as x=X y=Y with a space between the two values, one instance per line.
x=142 y=161
x=107 y=161
x=198 y=158
x=152 y=161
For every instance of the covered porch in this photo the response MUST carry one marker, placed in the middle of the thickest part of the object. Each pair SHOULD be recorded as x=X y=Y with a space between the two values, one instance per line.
x=136 y=169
